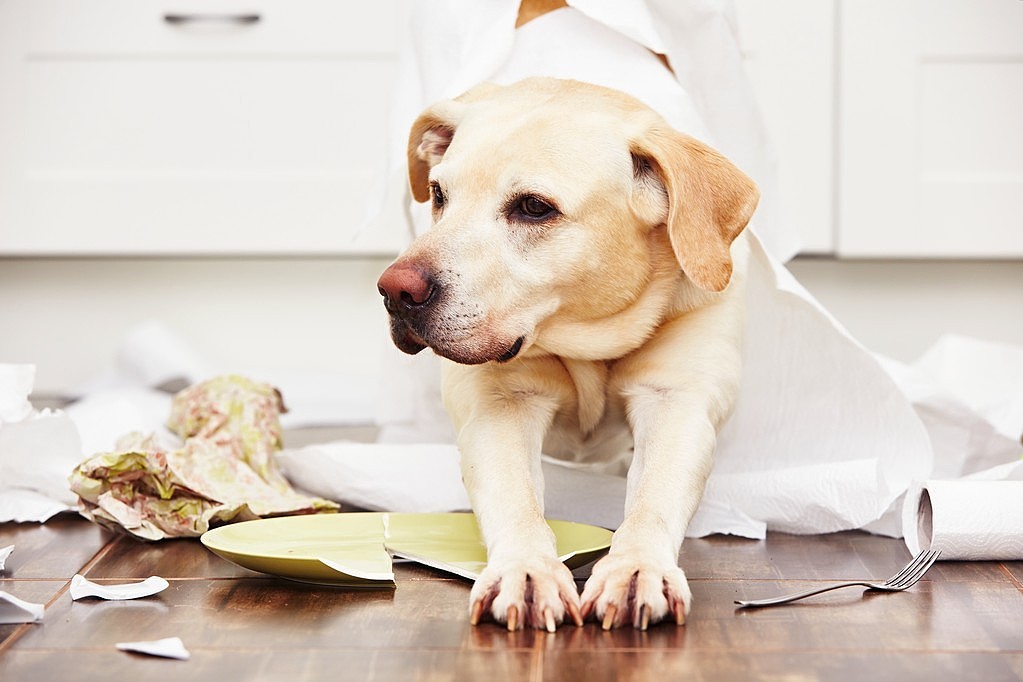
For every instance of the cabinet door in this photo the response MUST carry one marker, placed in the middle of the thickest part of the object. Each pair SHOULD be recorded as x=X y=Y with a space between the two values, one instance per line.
x=137 y=127
x=931 y=139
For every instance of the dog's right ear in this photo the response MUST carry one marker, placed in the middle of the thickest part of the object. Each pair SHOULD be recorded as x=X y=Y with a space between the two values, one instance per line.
x=429 y=139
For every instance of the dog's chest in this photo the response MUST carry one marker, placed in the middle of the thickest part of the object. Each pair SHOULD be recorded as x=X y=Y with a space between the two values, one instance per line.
x=591 y=429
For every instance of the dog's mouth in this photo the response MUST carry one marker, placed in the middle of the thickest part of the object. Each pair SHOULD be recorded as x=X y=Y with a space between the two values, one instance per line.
x=408 y=340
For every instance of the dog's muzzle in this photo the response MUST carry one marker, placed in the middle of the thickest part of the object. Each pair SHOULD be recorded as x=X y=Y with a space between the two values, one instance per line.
x=415 y=302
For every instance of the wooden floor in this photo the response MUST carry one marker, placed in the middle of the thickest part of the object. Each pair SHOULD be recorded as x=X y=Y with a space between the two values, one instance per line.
x=964 y=621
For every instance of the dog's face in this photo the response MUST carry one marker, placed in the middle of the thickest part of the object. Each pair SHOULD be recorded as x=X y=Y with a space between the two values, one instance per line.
x=556 y=207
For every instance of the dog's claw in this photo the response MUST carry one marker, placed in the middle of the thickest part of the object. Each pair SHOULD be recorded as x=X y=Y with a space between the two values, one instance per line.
x=549 y=623
x=643 y=617
x=680 y=613
x=513 y=618
x=573 y=612
x=476 y=612
x=609 y=616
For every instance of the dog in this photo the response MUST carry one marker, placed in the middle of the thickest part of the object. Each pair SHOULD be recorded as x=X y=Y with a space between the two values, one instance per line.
x=584 y=279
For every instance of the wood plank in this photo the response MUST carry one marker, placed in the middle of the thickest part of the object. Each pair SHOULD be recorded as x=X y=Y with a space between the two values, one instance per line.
x=56 y=549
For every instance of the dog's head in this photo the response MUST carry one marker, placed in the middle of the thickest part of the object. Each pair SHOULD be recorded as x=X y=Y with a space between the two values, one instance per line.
x=556 y=205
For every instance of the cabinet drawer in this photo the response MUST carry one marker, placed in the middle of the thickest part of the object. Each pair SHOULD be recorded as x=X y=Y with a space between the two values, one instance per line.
x=98 y=28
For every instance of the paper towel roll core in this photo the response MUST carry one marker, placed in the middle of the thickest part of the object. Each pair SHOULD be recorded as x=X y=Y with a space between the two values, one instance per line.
x=965 y=520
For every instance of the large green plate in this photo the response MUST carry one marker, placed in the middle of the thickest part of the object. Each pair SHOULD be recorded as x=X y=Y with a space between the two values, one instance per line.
x=356 y=549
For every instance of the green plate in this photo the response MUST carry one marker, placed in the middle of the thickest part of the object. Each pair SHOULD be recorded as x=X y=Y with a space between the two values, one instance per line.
x=356 y=549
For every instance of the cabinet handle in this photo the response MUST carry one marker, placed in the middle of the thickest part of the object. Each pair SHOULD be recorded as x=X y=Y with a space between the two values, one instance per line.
x=237 y=19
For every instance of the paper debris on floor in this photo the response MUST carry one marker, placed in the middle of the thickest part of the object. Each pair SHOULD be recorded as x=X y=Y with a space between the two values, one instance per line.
x=14 y=610
x=81 y=587
x=4 y=553
x=224 y=469
x=37 y=449
x=170 y=647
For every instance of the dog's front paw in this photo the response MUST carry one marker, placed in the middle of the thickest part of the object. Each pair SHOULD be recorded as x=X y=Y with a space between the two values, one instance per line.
x=628 y=590
x=535 y=593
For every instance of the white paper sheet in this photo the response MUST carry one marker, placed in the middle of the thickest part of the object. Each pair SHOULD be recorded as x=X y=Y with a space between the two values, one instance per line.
x=170 y=647
x=82 y=588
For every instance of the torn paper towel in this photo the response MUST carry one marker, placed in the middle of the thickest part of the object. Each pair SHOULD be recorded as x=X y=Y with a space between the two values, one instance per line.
x=37 y=450
x=425 y=478
x=14 y=610
x=170 y=647
x=224 y=471
x=82 y=588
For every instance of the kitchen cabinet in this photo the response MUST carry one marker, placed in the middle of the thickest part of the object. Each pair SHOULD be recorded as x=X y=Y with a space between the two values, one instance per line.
x=133 y=127
x=930 y=149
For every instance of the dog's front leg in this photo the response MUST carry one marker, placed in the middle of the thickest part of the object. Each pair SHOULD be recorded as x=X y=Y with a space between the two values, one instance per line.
x=679 y=389
x=500 y=427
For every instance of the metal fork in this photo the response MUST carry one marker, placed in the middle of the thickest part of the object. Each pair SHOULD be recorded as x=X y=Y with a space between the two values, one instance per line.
x=902 y=580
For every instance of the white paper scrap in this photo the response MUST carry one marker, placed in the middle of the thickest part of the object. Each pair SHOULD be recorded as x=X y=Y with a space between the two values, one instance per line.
x=14 y=610
x=80 y=587
x=170 y=647
x=4 y=553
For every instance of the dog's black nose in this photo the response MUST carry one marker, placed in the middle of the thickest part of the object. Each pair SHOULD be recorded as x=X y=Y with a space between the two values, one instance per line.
x=405 y=288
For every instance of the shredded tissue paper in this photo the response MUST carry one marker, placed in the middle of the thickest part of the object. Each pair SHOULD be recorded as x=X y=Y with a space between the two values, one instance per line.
x=826 y=435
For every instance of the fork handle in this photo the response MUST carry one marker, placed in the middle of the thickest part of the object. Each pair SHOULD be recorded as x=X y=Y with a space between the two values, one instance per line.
x=784 y=599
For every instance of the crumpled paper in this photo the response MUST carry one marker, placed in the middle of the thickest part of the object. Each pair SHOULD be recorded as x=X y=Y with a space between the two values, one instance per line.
x=224 y=470
x=37 y=449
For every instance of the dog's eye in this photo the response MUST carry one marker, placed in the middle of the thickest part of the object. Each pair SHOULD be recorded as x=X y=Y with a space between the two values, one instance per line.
x=534 y=208
x=438 y=195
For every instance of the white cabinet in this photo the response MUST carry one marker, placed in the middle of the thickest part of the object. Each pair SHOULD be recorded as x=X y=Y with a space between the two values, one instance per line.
x=931 y=133
x=220 y=127
x=896 y=122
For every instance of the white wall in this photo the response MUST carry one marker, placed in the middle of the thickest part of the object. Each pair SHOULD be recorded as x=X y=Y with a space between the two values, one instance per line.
x=901 y=307
x=69 y=315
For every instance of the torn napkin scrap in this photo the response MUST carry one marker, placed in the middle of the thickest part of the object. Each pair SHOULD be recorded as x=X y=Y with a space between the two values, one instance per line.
x=14 y=610
x=81 y=587
x=4 y=553
x=169 y=647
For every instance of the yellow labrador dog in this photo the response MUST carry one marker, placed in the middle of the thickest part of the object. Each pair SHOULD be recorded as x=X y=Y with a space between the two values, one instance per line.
x=584 y=278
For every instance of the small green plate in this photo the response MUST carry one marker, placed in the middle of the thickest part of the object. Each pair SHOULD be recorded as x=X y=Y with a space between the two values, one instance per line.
x=355 y=549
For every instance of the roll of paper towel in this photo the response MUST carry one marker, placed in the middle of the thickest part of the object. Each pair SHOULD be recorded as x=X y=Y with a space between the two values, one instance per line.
x=965 y=520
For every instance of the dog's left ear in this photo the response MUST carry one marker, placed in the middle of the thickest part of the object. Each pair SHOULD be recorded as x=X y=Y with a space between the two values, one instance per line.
x=710 y=201
x=432 y=133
